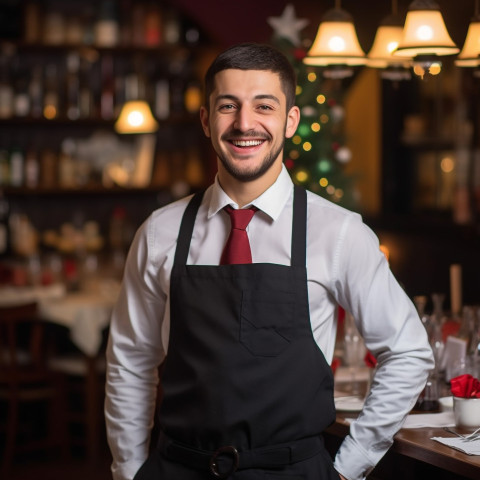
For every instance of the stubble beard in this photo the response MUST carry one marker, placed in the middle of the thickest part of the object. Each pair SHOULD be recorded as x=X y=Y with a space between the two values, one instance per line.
x=243 y=175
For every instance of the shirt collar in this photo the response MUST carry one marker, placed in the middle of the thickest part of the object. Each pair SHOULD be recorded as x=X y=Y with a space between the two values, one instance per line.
x=270 y=202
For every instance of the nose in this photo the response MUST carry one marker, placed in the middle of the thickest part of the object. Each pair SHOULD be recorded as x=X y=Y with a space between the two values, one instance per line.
x=244 y=119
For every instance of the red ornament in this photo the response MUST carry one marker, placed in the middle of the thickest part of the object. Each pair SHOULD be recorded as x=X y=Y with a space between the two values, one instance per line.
x=335 y=146
x=331 y=102
x=289 y=163
x=299 y=53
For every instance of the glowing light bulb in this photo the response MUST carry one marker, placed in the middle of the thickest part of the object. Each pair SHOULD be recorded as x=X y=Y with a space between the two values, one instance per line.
x=135 y=119
x=336 y=44
x=425 y=32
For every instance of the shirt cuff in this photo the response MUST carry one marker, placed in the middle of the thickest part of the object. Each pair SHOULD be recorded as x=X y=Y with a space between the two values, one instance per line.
x=126 y=470
x=352 y=461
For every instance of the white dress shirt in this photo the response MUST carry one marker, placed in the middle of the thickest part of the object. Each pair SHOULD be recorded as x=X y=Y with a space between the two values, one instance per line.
x=344 y=266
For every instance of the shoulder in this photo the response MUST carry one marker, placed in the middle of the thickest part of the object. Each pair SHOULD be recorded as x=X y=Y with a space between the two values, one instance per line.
x=319 y=206
x=327 y=220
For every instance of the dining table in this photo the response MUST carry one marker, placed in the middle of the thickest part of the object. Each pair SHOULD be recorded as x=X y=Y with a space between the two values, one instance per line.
x=417 y=451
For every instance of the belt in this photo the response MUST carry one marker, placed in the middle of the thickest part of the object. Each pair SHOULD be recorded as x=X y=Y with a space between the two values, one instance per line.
x=227 y=459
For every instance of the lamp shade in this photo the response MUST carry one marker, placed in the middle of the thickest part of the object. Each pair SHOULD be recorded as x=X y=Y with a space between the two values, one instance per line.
x=136 y=117
x=336 y=42
x=469 y=56
x=425 y=32
x=387 y=38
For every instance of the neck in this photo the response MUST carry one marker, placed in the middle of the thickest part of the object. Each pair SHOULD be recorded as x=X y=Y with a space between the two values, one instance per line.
x=243 y=193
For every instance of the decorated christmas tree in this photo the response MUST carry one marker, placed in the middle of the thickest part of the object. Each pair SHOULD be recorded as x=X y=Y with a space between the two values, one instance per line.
x=317 y=154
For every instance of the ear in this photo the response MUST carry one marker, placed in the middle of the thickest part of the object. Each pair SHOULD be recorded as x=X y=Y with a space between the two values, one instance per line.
x=293 y=118
x=204 y=121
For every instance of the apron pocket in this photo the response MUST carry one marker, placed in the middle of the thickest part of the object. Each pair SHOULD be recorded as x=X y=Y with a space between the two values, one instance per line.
x=265 y=319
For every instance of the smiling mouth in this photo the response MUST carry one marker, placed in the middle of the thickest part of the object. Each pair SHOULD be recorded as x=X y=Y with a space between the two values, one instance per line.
x=247 y=143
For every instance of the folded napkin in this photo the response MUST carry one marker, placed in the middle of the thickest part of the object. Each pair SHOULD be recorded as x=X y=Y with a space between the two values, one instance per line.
x=470 y=447
x=465 y=386
x=443 y=419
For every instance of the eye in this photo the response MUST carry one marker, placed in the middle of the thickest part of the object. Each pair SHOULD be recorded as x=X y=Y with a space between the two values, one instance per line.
x=226 y=107
x=265 y=108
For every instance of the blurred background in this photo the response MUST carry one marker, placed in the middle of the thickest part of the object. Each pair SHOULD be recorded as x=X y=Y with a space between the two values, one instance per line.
x=395 y=140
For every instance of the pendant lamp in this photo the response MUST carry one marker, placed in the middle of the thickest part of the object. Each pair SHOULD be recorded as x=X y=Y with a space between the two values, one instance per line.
x=469 y=56
x=336 y=45
x=387 y=38
x=136 y=117
x=425 y=36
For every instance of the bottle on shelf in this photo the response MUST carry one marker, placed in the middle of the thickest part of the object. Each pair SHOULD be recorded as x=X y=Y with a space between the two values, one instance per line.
x=35 y=91
x=193 y=96
x=72 y=86
x=21 y=99
x=138 y=22
x=162 y=99
x=171 y=27
x=153 y=34
x=53 y=28
x=51 y=101
x=107 y=96
x=85 y=95
x=32 y=169
x=6 y=89
x=4 y=168
x=107 y=32
x=66 y=165
x=17 y=167
x=4 y=226
x=32 y=19
x=48 y=168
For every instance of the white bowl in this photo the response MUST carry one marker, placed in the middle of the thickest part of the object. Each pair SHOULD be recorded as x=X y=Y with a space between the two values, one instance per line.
x=466 y=412
x=446 y=404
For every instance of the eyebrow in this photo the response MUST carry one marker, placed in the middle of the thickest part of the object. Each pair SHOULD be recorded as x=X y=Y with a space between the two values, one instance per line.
x=257 y=97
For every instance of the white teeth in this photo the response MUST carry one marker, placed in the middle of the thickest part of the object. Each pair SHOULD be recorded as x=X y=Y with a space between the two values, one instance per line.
x=247 y=143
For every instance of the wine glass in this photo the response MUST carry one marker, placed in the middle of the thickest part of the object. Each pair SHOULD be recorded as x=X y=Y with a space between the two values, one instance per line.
x=354 y=352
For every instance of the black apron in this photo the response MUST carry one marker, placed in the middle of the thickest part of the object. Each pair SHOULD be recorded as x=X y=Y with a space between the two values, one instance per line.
x=244 y=381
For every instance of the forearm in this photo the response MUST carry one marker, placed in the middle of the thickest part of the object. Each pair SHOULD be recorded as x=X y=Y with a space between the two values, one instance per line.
x=129 y=412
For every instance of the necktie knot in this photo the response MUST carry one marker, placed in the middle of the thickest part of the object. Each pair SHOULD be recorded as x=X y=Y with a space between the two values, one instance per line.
x=237 y=249
x=240 y=218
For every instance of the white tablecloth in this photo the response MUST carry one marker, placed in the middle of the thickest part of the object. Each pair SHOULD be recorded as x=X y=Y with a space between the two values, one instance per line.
x=85 y=313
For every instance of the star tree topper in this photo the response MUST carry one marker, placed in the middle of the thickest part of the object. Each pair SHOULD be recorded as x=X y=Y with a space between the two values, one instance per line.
x=288 y=26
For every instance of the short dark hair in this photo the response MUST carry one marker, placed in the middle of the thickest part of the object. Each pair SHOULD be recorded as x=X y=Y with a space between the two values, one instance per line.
x=253 y=56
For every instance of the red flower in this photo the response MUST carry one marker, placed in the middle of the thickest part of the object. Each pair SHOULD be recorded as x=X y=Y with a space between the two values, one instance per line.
x=335 y=364
x=370 y=360
x=465 y=386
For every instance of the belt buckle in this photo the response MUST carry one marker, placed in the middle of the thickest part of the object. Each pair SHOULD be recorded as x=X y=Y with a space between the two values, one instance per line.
x=229 y=450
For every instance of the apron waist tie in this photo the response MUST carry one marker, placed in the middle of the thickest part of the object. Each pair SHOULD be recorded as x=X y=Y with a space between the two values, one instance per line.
x=227 y=459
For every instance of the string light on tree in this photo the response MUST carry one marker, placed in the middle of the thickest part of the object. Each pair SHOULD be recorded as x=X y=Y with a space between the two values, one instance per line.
x=316 y=155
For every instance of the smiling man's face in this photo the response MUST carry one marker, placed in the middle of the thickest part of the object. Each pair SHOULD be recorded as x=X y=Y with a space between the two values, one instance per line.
x=248 y=122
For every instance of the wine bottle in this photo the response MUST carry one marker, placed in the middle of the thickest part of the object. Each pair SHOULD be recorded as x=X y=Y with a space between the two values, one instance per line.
x=4 y=229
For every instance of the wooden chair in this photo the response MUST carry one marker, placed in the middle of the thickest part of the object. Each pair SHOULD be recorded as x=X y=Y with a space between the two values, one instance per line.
x=25 y=381
x=84 y=380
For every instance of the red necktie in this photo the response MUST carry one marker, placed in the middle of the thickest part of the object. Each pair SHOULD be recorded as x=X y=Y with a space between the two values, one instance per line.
x=237 y=248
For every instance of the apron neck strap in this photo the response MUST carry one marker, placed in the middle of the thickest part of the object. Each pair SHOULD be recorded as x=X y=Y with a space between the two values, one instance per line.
x=299 y=227
x=186 y=229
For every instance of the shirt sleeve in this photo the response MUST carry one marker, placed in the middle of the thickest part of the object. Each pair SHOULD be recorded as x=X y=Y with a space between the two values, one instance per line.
x=134 y=353
x=393 y=332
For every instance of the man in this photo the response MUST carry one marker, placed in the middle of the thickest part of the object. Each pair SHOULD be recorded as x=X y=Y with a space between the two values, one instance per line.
x=247 y=387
